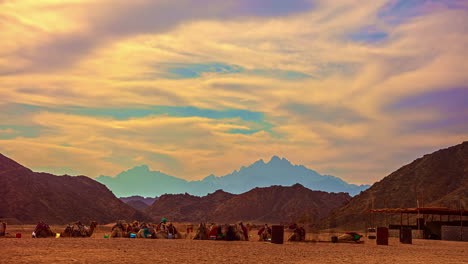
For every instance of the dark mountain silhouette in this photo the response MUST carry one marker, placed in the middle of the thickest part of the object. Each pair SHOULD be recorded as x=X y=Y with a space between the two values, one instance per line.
x=186 y=207
x=142 y=181
x=269 y=204
x=146 y=200
x=138 y=202
x=29 y=196
x=437 y=179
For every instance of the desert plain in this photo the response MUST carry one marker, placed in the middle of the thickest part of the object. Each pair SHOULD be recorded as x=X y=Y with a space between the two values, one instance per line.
x=98 y=249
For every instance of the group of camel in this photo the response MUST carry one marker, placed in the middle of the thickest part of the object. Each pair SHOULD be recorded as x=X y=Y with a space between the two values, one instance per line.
x=76 y=229
x=222 y=232
x=144 y=230
x=229 y=232
x=42 y=230
x=240 y=232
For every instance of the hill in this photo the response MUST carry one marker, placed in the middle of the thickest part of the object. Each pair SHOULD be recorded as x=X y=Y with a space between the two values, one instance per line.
x=138 y=202
x=437 y=179
x=142 y=181
x=269 y=204
x=29 y=196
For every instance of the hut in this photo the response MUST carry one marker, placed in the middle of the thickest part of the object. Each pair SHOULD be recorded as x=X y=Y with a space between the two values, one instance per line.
x=434 y=222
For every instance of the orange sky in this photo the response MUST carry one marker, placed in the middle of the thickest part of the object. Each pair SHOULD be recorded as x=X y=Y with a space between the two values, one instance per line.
x=355 y=89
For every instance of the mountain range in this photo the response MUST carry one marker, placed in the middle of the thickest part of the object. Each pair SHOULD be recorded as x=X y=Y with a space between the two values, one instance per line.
x=269 y=204
x=439 y=179
x=142 y=181
x=27 y=197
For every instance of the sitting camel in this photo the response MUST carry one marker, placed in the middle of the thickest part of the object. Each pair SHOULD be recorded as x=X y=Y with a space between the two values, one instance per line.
x=202 y=232
x=42 y=230
x=233 y=233
x=119 y=229
x=134 y=227
x=148 y=232
x=2 y=229
x=145 y=231
x=79 y=230
x=264 y=233
x=169 y=231
x=298 y=233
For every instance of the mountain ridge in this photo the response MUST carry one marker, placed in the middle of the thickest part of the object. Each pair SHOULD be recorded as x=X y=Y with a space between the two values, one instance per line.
x=278 y=171
x=438 y=179
x=29 y=196
x=265 y=204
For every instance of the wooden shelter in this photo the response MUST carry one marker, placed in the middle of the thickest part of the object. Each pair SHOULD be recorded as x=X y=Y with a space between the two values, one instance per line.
x=454 y=217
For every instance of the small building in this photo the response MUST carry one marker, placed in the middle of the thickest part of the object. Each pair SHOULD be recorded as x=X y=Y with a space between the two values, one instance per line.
x=432 y=222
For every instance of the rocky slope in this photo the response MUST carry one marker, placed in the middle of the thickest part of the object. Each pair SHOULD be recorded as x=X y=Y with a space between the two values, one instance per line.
x=437 y=179
x=29 y=196
x=269 y=204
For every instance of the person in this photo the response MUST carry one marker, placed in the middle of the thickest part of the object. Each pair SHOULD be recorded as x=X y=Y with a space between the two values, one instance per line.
x=189 y=228
x=162 y=225
x=245 y=231
x=213 y=231
x=265 y=227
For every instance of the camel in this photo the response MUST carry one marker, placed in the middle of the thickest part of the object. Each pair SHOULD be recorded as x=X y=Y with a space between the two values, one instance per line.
x=264 y=233
x=148 y=232
x=170 y=231
x=119 y=229
x=202 y=232
x=245 y=232
x=2 y=229
x=233 y=233
x=134 y=227
x=298 y=233
x=79 y=230
x=144 y=231
x=42 y=230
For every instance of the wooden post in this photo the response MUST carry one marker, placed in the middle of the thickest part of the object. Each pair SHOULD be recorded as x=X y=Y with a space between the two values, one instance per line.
x=417 y=218
x=461 y=221
x=401 y=223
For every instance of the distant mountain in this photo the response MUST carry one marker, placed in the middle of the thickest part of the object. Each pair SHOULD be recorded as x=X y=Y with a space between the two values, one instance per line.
x=141 y=181
x=270 y=204
x=186 y=207
x=29 y=196
x=138 y=202
x=145 y=200
x=437 y=179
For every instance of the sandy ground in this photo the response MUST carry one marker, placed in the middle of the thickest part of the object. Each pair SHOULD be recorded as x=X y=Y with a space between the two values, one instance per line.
x=98 y=249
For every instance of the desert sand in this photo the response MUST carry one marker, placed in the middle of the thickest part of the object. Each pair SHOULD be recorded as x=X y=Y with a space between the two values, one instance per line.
x=98 y=249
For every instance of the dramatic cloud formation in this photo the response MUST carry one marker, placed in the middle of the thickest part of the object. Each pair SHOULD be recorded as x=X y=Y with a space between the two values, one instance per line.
x=350 y=88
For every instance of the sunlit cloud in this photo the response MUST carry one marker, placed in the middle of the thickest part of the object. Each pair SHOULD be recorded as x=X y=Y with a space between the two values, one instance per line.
x=192 y=88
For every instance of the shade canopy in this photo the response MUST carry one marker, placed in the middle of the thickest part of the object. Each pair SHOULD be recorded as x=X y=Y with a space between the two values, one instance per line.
x=421 y=210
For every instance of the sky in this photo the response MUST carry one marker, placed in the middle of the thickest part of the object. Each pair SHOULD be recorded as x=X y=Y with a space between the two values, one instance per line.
x=351 y=88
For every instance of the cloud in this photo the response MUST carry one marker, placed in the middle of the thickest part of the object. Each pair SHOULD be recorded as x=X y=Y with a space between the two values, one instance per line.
x=193 y=88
